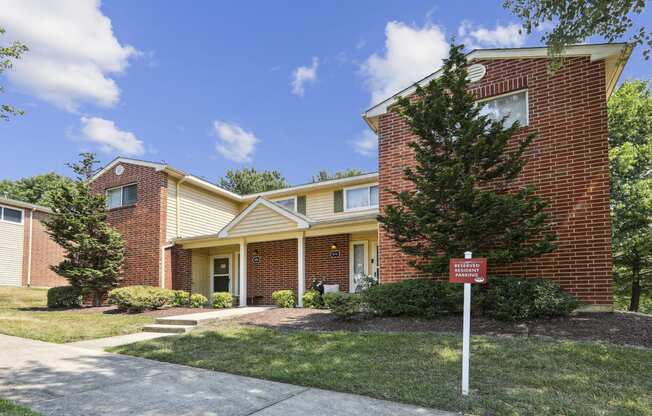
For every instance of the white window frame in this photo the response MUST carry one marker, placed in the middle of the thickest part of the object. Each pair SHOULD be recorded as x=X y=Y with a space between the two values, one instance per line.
x=352 y=244
x=369 y=207
x=285 y=198
x=507 y=94
x=122 y=194
x=2 y=215
x=212 y=269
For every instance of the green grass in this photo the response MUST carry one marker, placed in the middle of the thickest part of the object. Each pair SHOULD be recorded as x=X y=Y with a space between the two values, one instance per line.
x=8 y=408
x=509 y=376
x=58 y=326
x=621 y=302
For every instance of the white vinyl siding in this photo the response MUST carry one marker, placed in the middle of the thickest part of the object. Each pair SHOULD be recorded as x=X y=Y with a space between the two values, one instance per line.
x=262 y=220
x=11 y=253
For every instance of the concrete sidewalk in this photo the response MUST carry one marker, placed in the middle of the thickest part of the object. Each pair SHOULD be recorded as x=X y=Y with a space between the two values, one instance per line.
x=65 y=380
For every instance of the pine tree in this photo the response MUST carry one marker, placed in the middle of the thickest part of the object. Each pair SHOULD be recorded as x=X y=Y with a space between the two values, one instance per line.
x=94 y=250
x=464 y=195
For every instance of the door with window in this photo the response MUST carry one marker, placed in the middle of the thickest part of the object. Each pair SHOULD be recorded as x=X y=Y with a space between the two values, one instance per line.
x=359 y=261
x=221 y=274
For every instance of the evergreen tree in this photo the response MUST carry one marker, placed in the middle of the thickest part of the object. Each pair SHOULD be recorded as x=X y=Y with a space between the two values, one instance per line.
x=250 y=181
x=465 y=196
x=323 y=175
x=94 y=250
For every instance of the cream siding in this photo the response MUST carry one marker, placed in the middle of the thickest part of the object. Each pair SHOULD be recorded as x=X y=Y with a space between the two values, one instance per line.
x=262 y=220
x=319 y=205
x=11 y=253
x=171 y=222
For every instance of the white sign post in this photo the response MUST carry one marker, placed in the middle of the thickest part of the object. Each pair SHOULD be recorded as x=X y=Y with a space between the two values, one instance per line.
x=466 y=333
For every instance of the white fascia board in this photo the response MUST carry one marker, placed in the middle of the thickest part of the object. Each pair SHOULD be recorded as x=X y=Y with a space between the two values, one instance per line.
x=20 y=204
x=301 y=222
x=316 y=185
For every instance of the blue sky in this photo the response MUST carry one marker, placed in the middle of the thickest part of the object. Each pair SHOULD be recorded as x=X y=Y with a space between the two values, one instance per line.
x=207 y=86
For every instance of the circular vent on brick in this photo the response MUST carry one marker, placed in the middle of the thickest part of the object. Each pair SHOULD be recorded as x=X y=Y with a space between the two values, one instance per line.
x=476 y=72
x=119 y=170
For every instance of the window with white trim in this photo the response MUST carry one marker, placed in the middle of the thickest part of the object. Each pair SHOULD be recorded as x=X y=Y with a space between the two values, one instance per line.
x=514 y=106
x=121 y=196
x=11 y=215
x=288 y=203
x=362 y=197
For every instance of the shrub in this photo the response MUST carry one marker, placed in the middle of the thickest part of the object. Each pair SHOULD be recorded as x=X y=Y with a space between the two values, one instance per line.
x=222 y=300
x=139 y=298
x=284 y=298
x=180 y=298
x=514 y=299
x=197 y=301
x=312 y=299
x=343 y=305
x=416 y=297
x=64 y=297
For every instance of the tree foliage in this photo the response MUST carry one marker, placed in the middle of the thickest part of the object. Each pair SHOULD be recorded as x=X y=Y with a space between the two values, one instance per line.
x=577 y=20
x=8 y=54
x=630 y=162
x=464 y=196
x=94 y=251
x=250 y=181
x=323 y=175
x=36 y=189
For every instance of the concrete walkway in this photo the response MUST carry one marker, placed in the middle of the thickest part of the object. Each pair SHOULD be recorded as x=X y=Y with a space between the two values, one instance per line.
x=65 y=380
x=102 y=343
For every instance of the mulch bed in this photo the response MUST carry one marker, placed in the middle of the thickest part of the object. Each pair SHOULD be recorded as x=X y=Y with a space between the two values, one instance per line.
x=113 y=310
x=617 y=328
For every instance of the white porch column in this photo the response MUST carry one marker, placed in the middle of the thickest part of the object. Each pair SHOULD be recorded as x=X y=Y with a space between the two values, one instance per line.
x=301 y=270
x=242 y=276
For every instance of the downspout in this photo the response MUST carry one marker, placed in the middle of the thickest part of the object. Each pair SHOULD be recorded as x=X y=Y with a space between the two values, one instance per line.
x=177 y=203
x=29 y=248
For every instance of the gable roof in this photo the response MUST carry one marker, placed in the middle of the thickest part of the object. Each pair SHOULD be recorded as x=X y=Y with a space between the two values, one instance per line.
x=615 y=55
x=301 y=221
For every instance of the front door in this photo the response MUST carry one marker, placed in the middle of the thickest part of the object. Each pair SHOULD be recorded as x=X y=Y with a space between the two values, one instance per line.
x=221 y=274
x=359 y=261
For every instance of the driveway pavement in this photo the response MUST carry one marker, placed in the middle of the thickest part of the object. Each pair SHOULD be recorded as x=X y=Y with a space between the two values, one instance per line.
x=67 y=380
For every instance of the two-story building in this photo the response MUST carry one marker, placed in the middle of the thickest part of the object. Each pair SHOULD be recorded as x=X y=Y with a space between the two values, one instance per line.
x=184 y=232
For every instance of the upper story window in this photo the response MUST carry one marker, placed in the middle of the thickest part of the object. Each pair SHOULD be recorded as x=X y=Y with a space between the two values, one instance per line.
x=513 y=105
x=288 y=203
x=11 y=215
x=121 y=196
x=361 y=197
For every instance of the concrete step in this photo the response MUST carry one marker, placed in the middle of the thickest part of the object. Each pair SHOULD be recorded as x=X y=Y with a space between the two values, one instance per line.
x=168 y=329
x=179 y=320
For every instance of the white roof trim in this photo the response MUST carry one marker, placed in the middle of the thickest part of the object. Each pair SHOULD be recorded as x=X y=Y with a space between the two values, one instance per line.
x=21 y=204
x=301 y=222
x=596 y=52
x=315 y=185
x=120 y=159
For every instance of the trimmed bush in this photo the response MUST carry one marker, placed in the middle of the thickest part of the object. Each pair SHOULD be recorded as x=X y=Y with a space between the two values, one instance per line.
x=514 y=299
x=417 y=297
x=343 y=305
x=312 y=299
x=284 y=298
x=180 y=298
x=197 y=301
x=140 y=298
x=222 y=300
x=64 y=297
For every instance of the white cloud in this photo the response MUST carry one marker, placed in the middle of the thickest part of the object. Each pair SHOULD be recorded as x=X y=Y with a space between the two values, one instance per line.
x=509 y=36
x=110 y=138
x=411 y=53
x=234 y=143
x=304 y=75
x=72 y=51
x=366 y=143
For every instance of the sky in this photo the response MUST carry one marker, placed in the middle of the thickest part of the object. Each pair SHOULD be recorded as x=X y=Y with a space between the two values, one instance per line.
x=208 y=86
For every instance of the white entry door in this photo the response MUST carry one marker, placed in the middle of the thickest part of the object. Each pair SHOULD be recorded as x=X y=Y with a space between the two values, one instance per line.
x=359 y=260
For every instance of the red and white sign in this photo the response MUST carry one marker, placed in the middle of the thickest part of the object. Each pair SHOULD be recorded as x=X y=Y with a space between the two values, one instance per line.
x=468 y=270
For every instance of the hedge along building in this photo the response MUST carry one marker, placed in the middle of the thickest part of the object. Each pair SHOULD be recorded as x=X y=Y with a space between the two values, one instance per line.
x=186 y=233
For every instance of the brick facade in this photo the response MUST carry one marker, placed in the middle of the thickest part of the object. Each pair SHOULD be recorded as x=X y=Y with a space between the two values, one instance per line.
x=45 y=253
x=567 y=163
x=277 y=270
x=142 y=225
x=321 y=265
x=181 y=266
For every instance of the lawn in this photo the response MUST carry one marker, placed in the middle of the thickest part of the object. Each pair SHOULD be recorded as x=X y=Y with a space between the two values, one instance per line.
x=8 y=408
x=23 y=314
x=509 y=375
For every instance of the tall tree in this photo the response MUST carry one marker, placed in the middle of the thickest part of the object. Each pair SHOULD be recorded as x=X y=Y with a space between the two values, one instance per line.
x=630 y=161
x=574 y=21
x=36 y=189
x=323 y=175
x=8 y=54
x=464 y=195
x=250 y=181
x=94 y=250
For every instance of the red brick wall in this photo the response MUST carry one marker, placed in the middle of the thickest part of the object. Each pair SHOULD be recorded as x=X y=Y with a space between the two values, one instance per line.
x=321 y=266
x=181 y=269
x=45 y=253
x=567 y=163
x=142 y=225
x=277 y=269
